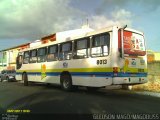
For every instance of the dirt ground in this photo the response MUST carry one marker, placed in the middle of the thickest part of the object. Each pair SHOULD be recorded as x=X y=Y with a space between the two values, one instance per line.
x=153 y=84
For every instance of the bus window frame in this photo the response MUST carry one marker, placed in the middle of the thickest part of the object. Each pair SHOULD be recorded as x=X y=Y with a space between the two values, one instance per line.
x=49 y=55
x=87 y=48
x=33 y=56
x=108 y=44
x=26 y=57
x=62 y=53
x=44 y=56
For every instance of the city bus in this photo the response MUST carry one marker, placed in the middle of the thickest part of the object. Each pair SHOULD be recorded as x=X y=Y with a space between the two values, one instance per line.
x=99 y=58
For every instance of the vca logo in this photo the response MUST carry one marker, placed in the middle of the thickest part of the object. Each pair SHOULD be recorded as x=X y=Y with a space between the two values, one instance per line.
x=65 y=64
x=133 y=62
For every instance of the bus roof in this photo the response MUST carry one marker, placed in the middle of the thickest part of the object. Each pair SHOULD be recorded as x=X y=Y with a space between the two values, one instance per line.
x=77 y=34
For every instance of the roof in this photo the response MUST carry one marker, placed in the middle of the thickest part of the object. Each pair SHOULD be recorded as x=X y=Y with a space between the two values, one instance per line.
x=14 y=47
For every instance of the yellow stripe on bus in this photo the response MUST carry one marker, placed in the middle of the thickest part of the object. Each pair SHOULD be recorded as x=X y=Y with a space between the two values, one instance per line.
x=72 y=70
x=133 y=70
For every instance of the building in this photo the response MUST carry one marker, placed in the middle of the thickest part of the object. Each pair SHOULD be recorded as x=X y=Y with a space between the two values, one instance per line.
x=8 y=56
x=153 y=56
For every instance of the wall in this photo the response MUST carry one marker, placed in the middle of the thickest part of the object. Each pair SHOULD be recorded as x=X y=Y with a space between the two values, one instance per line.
x=154 y=68
x=153 y=77
x=3 y=60
x=154 y=72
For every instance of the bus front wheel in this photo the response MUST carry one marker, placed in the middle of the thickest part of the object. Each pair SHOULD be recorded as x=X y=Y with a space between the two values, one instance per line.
x=66 y=82
x=25 y=79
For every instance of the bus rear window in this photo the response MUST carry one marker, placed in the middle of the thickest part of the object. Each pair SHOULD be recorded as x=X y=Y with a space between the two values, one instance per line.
x=133 y=43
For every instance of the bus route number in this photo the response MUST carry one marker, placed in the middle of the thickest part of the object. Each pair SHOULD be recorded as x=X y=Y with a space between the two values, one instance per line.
x=100 y=62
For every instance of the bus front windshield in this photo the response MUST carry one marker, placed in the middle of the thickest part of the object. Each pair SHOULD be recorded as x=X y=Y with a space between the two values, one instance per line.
x=133 y=44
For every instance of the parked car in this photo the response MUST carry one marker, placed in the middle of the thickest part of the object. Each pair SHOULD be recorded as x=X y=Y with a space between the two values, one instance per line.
x=8 y=75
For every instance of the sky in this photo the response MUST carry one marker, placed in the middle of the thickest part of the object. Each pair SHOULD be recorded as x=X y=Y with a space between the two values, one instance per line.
x=23 y=21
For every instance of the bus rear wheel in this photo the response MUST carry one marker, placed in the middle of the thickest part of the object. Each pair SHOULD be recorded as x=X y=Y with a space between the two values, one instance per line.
x=25 y=79
x=127 y=87
x=66 y=82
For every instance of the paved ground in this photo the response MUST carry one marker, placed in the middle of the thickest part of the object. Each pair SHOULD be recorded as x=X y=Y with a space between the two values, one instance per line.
x=39 y=98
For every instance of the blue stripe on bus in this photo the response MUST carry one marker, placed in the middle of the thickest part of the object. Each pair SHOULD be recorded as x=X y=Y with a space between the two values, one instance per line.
x=96 y=74
x=128 y=74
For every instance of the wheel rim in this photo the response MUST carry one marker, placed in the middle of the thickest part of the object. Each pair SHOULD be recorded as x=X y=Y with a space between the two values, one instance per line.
x=66 y=83
x=25 y=81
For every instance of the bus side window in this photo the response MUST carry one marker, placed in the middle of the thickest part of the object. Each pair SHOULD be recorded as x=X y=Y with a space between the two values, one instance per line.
x=42 y=54
x=65 y=51
x=100 y=45
x=19 y=61
x=81 y=48
x=26 y=57
x=52 y=53
x=33 y=56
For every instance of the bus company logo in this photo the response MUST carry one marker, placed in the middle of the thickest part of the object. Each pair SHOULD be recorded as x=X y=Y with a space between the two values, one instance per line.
x=65 y=65
x=133 y=62
x=43 y=71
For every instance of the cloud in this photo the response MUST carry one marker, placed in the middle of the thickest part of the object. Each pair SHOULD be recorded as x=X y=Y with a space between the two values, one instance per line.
x=119 y=17
x=33 y=19
x=150 y=5
x=145 y=5
x=110 y=5
x=121 y=14
x=101 y=21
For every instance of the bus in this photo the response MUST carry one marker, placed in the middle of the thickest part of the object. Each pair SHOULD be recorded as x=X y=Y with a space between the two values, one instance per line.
x=99 y=58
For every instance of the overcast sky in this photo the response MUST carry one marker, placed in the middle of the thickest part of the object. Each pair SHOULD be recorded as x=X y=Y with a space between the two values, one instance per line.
x=23 y=21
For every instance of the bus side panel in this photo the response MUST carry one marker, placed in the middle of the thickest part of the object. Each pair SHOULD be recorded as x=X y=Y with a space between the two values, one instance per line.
x=18 y=76
x=49 y=79
x=92 y=81
x=94 y=72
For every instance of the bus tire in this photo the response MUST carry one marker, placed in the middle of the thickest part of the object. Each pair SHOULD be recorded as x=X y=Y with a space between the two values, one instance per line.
x=25 y=79
x=127 y=87
x=66 y=82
